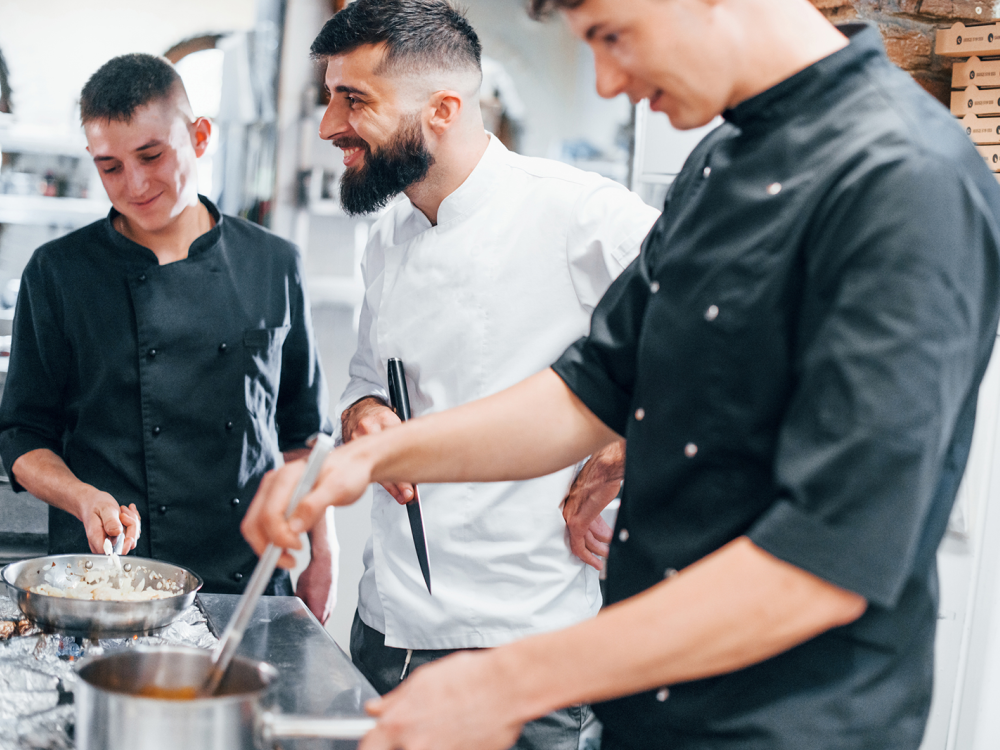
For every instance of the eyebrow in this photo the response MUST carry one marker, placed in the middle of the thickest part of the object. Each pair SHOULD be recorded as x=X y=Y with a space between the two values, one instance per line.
x=349 y=90
x=151 y=144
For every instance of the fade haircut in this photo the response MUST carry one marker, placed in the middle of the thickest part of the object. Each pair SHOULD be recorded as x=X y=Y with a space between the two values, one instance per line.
x=419 y=35
x=541 y=8
x=124 y=84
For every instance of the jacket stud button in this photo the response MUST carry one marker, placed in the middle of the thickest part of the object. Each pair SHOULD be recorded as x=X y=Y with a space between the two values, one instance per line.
x=237 y=577
x=234 y=502
x=142 y=277
x=662 y=694
x=670 y=572
x=222 y=347
x=152 y=352
x=623 y=535
x=229 y=425
x=157 y=430
x=774 y=188
x=163 y=510
x=706 y=172
x=712 y=312
x=654 y=287
x=690 y=450
x=640 y=414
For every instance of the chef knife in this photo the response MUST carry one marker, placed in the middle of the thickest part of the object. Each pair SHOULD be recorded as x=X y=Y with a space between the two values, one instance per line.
x=399 y=399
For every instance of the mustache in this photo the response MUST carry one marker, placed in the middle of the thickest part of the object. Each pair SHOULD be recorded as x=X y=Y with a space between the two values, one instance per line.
x=350 y=142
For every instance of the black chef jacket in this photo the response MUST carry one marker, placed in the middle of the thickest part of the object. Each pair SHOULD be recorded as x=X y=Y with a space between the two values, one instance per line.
x=795 y=356
x=173 y=387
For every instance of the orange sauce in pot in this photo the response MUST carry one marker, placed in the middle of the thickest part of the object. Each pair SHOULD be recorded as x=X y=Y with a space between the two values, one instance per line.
x=187 y=693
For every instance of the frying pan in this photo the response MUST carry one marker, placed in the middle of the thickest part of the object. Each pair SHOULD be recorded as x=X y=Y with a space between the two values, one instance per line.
x=96 y=619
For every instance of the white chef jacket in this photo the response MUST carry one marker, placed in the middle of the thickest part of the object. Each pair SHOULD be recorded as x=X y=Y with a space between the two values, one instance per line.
x=522 y=252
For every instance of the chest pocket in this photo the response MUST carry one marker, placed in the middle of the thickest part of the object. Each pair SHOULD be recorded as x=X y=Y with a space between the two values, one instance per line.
x=262 y=358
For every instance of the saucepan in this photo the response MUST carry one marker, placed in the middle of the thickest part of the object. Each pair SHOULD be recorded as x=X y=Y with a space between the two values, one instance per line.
x=144 y=699
x=100 y=618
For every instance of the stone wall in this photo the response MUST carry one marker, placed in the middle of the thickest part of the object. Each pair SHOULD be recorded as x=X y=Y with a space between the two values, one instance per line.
x=908 y=30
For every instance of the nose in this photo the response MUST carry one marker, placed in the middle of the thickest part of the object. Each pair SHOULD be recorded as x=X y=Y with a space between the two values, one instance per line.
x=611 y=79
x=334 y=122
x=135 y=178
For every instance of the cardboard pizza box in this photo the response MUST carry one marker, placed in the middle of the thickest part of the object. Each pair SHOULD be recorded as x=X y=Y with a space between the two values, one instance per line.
x=976 y=72
x=984 y=131
x=976 y=102
x=963 y=41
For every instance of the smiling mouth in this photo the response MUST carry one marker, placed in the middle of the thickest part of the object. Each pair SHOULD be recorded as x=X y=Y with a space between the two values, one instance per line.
x=143 y=204
x=351 y=155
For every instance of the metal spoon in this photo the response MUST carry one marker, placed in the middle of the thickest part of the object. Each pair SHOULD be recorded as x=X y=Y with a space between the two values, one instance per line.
x=268 y=561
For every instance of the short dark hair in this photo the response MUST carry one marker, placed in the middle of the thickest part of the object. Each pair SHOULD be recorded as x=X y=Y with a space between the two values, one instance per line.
x=542 y=8
x=417 y=33
x=125 y=83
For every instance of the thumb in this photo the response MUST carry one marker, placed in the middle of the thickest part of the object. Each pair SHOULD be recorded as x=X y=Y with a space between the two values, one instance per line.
x=308 y=513
x=111 y=521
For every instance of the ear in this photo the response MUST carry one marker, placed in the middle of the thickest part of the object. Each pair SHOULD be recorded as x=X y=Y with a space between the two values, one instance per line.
x=201 y=131
x=445 y=109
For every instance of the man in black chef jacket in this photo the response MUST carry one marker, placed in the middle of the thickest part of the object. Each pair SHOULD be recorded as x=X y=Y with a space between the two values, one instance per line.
x=163 y=358
x=794 y=359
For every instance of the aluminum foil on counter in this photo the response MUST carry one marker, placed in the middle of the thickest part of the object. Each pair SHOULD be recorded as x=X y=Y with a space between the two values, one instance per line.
x=37 y=674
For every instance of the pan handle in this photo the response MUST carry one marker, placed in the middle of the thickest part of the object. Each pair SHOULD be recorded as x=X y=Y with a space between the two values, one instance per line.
x=276 y=726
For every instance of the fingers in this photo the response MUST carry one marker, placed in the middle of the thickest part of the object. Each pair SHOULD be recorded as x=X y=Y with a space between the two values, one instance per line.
x=600 y=530
x=402 y=492
x=265 y=521
x=133 y=527
x=110 y=520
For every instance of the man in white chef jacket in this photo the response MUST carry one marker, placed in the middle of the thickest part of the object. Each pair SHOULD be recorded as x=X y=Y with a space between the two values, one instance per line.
x=480 y=276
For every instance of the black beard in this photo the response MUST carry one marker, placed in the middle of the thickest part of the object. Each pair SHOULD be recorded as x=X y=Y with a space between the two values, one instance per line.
x=386 y=173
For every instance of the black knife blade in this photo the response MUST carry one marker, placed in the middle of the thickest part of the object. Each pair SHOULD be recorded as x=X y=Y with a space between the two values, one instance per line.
x=399 y=400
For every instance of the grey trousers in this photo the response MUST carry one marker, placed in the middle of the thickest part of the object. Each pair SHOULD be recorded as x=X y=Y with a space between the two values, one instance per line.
x=573 y=728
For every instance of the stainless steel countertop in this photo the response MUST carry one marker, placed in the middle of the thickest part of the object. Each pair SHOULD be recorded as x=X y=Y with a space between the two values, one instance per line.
x=315 y=677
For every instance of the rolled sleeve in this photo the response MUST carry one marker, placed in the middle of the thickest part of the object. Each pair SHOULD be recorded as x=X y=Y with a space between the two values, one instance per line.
x=890 y=343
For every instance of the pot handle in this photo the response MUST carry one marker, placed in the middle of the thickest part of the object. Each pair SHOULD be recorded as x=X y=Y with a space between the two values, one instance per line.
x=276 y=726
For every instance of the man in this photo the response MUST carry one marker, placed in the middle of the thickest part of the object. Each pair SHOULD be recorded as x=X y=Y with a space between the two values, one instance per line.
x=479 y=276
x=794 y=360
x=163 y=358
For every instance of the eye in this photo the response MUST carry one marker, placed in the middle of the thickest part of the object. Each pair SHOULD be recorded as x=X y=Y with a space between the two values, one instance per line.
x=352 y=101
x=610 y=39
x=111 y=170
x=151 y=157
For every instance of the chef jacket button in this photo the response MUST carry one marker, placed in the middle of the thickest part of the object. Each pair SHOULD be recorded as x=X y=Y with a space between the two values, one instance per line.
x=706 y=172
x=156 y=430
x=712 y=313
x=222 y=347
x=774 y=188
x=670 y=572
x=623 y=535
x=163 y=510
x=662 y=694
x=640 y=413
x=152 y=352
x=237 y=576
x=234 y=502
x=654 y=287
x=229 y=425
x=690 y=450
x=142 y=277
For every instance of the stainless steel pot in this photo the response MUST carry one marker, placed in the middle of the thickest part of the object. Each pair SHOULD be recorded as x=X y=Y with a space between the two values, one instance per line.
x=116 y=708
x=96 y=619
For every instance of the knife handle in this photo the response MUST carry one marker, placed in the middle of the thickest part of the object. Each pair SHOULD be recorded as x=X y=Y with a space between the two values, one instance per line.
x=399 y=399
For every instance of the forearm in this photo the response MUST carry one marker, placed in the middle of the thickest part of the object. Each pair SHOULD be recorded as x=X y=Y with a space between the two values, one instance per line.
x=323 y=540
x=46 y=476
x=531 y=429
x=736 y=607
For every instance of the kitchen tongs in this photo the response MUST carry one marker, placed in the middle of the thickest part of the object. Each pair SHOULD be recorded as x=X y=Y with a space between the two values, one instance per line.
x=399 y=400
x=231 y=638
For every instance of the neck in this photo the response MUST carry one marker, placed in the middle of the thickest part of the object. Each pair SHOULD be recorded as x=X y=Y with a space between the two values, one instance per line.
x=778 y=39
x=171 y=243
x=455 y=158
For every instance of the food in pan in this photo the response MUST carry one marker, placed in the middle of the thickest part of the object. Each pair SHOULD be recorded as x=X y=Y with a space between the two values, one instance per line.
x=109 y=584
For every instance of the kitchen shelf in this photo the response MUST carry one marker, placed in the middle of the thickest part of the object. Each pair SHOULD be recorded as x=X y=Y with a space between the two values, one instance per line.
x=40 y=209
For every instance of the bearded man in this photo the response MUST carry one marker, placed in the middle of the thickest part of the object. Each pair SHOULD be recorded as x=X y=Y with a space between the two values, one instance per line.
x=482 y=273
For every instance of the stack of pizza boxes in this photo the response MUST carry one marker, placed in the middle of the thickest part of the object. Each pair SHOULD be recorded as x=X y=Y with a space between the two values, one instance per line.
x=975 y=83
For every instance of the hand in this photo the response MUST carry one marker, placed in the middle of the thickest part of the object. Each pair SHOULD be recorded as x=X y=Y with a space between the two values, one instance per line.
x=103 y=518
x=456 y=703
x=595 y=486
x=130 y=519
x=366 y=417
x=316 y=587
x=342 y=480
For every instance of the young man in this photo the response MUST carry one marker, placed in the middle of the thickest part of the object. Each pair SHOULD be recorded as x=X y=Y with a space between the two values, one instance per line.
x=162 y=358
x=794 y=360
x=479 y=276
